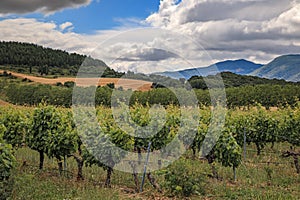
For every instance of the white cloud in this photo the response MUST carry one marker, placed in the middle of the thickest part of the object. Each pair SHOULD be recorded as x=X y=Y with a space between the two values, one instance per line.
x=43 y=33
x=228 y=29
x=44 y=6
x=139 y=50
x=148 y=50
x=66 y=25
x=130 y=23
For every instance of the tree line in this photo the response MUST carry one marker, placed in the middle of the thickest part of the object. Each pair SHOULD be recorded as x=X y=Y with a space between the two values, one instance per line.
x=239 y=97
x=235 y=80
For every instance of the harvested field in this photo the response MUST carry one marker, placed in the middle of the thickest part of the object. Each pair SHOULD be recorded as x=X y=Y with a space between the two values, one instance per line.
x=119 y=82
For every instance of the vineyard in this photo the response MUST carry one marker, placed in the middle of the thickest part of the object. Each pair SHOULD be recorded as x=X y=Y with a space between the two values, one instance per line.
x=256 y=142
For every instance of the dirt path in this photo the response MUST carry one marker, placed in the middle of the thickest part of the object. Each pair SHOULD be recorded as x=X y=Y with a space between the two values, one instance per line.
x=4 y=103
x=125 y=83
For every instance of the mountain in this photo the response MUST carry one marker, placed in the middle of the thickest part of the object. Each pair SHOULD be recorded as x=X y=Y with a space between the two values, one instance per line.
x=242 y=67
x=285 y=67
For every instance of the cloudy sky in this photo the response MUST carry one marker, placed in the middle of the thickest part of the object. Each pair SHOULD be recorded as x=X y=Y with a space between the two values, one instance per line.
x=153 y=35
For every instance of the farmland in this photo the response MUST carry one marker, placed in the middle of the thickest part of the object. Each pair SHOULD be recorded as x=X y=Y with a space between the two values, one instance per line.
x=51 y=151
x=150 y=100
x=124 y=83
x=261 y=169
x=46 y=156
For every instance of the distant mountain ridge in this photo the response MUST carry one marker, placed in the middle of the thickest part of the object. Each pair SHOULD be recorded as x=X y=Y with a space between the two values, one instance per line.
x=285 y=67
x=242 y=67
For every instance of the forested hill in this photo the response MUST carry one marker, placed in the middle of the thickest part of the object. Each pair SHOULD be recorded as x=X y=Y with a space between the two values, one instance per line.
x=30 y=58
x=235 y=80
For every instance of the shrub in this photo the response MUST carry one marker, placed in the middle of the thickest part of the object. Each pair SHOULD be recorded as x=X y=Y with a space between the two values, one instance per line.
x=183 y=181
x=59 y=84
x=69 y=84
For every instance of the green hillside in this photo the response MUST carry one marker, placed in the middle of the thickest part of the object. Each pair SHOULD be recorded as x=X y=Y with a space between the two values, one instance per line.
x=284 y=67
x=35 y=59
x=235 y=80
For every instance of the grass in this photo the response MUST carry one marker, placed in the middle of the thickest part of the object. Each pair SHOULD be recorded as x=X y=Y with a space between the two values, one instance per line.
x=35 y=71
x=31 y=183
x=48 y=186
x=253 y=180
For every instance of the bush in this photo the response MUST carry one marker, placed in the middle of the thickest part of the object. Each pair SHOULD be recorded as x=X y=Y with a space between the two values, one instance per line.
x=59 y=84
x=183 y=181
x=69 y=84
x=7 y=162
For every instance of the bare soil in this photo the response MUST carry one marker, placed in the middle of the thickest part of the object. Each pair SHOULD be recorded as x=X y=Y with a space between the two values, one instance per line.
x=119 y=82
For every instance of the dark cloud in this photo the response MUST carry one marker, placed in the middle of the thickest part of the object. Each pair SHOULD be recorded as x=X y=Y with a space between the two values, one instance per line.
x=256 y=46
x=28 y=6
x=252 y=10
x=148 y=54
x=253 y=29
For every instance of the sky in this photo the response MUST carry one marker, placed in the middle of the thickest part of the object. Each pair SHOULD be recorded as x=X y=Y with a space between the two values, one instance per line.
x=157 y=35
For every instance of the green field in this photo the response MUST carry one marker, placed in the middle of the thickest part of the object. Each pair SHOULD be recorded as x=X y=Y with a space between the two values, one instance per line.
x=264 y=176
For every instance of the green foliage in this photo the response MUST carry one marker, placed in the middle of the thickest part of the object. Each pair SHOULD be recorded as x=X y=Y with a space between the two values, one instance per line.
x=15 y=123
x=224 y=148
x=45 y=123
x=51 y=132
x=290 y=128
x=69 y=84
x=261 y=129
x=140 y=115
x=101 y=137
x=259 y=126
x=243 y=97
x=35 y=94
x=182 y=181
x=266 y=95
x=202 y=130
x=63 y=139
x=235 y=80
x=16 y=53
x=227 y=150
x=7 y=163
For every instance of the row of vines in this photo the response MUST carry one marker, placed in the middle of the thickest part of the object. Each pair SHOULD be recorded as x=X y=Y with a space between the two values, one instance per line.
x=52 y=132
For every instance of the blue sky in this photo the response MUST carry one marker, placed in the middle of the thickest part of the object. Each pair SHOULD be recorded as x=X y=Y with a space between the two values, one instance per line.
x=256 y=30
x=101 y=15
